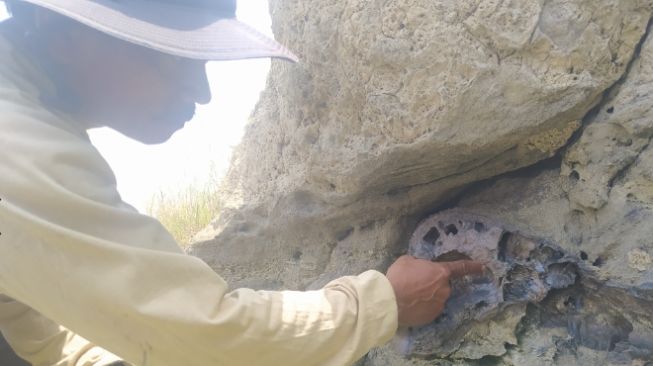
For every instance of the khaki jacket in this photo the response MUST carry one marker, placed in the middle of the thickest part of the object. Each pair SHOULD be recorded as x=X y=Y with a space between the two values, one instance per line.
x=74 y=256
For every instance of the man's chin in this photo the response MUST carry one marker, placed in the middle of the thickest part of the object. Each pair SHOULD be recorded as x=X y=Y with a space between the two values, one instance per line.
x=152 y=137
x=153 y=132
x=153 y=140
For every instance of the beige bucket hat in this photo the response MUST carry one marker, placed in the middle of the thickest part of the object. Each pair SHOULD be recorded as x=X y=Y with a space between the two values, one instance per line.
x=198 y=29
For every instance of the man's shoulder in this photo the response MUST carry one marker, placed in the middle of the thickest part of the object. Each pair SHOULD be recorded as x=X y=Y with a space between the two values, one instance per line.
x=26 y=124
x=43 y=148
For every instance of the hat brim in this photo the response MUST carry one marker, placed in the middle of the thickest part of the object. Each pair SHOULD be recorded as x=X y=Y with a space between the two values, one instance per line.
x=173 y=29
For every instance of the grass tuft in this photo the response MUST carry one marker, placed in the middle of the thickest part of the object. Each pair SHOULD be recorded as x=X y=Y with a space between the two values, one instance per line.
x=184 y=213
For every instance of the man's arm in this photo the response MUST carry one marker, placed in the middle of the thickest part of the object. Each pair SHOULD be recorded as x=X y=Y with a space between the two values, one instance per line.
x=73 y=251
x=163 y=308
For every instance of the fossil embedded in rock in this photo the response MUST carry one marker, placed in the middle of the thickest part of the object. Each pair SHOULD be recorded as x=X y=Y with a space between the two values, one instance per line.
x=522 y=270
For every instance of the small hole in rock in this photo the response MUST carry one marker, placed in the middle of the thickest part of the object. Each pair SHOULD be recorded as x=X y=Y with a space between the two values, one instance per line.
x=479 y=226
x=610 y=110
x=344 y=234
x=583 y=255
x=480 y=305
x=451 y=229
x=296 y=255
x=503 y=246
x=574 y=176
x=432 y=236
x=598 y=262
x=392 y=192
x=490 y=361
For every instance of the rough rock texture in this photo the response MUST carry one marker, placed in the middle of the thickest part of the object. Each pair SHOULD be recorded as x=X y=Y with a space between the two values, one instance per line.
x=521 y=271
x=400 y=108
x=537 y=294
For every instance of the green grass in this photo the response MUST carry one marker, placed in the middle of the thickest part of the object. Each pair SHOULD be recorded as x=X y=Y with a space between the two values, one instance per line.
x=187 y=211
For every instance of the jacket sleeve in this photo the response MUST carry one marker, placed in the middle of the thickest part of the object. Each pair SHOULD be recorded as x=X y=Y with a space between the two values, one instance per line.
x=73 y=251
x=41 y=342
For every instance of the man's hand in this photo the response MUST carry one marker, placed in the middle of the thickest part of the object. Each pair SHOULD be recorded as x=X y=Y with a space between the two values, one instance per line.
x=422 y=287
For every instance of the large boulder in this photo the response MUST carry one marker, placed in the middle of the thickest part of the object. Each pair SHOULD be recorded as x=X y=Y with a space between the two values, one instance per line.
x=399 y=109
x=596 y=203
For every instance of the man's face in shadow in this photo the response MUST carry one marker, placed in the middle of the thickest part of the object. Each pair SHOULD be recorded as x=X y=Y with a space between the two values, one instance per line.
x=144 y=94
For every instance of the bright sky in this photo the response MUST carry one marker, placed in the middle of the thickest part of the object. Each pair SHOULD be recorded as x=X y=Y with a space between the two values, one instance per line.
x=205 y=144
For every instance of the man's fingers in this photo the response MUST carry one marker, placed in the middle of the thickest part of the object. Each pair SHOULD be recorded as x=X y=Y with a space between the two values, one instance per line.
x=465 y=267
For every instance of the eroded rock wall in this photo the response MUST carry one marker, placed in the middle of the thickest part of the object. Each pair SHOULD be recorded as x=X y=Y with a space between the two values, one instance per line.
x=532 y=113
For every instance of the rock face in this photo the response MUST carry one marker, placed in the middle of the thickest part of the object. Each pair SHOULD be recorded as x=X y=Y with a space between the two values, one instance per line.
x=535 y=115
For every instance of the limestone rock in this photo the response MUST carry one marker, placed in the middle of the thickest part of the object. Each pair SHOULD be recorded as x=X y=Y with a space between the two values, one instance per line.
x=602 y=315
x=531 y=113
x=614 y=139
x=394 y=107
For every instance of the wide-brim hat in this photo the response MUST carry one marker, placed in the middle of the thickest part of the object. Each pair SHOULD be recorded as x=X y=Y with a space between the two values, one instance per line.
x=197 y=29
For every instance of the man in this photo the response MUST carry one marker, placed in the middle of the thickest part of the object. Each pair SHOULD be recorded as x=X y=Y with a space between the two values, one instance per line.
x=87 y=280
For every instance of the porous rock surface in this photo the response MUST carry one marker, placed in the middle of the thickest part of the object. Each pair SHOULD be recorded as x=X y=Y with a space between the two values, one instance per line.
x=521 y=271
x=534 y=115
